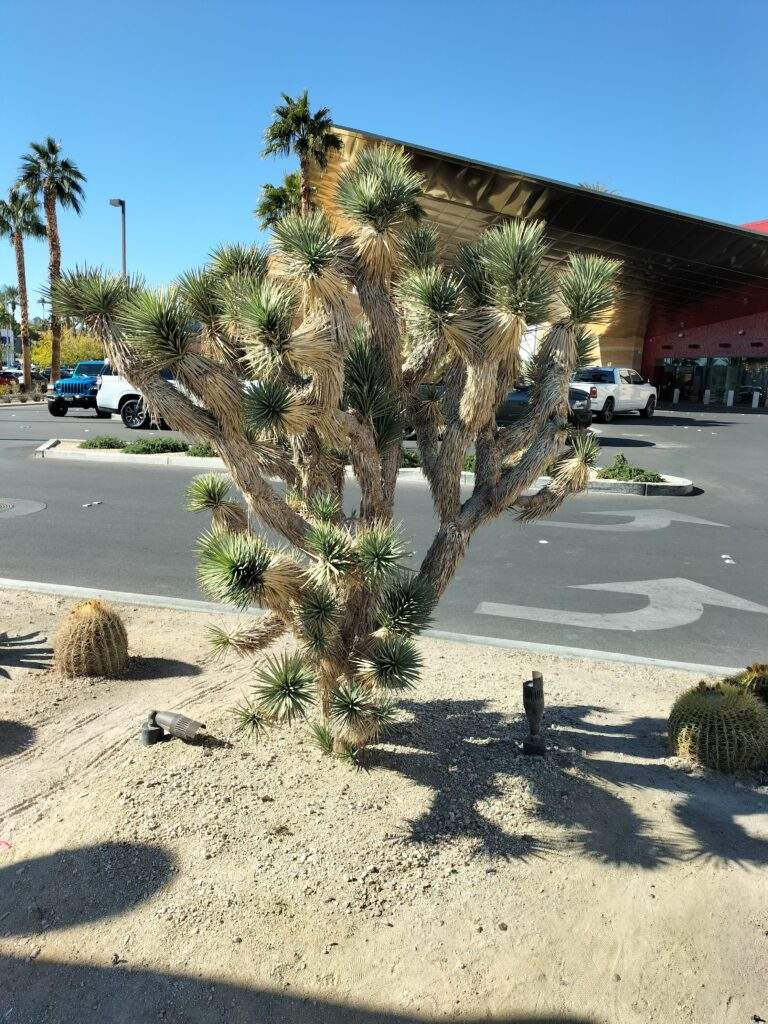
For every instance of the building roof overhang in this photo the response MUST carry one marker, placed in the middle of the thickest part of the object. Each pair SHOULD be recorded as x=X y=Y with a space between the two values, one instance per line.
x=671 y=259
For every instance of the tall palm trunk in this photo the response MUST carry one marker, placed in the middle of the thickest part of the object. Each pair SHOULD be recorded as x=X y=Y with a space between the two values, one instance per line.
x=54 y=273
x=21 y=274
x=305 y=187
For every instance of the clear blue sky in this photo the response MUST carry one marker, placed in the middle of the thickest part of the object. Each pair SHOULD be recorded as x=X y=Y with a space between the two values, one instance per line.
x=164 y=103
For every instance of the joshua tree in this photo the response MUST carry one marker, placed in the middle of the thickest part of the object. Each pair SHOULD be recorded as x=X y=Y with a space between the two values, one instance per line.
x=45 y=172
x=19 y=218
x=277 y=201
x=324 y=346
x=296 y=129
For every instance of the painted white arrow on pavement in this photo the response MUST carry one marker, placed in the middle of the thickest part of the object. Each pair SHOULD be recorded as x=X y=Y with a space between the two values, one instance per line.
x=671 y=602
x=642 y=519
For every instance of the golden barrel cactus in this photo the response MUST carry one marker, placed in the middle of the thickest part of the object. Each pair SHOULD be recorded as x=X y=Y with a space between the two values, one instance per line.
x=91 y=641
x=754 y=679
x=719 y=726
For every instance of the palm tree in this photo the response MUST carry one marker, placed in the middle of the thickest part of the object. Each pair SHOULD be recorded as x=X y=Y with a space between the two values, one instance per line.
x=19 y=218
x=599 y=186
x=296 y=129
x=45 y=172
x=9 y=296
x=277 y=201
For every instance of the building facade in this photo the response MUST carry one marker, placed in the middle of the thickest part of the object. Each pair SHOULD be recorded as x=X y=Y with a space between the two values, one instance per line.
x=693 y=312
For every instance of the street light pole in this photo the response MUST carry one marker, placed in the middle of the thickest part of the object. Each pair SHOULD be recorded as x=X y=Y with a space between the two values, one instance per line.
x=121 y=204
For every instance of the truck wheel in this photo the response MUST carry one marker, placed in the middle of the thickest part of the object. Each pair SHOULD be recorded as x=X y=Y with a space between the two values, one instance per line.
x=650 y=408
x=606 y=415
x=103 y=414
x=133 y=414
x=58 y=407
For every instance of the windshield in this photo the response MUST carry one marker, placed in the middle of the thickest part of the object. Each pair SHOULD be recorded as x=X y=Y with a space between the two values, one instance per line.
x=594 y=376
x=89 y=369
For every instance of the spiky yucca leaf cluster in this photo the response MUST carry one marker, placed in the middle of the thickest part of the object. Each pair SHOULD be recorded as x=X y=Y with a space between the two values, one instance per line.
x=357 y=717
x=285 y=688
x=380 y=190
x=241 y=569
x=333 y=549
x=310 y=254
x=392 y=663
x=270 y=405
x=324 y=506
x=405 y=606
x=209 y=492
x=719 y=726
x=380 y=550
x=367 y=391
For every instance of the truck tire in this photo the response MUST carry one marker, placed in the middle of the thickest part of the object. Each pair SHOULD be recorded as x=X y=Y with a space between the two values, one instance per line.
x=58 y=407
x=650 y=408
x=606 y=413
x=133 y=414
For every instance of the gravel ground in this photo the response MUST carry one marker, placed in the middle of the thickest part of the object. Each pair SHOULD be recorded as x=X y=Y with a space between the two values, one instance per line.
x=450 y=878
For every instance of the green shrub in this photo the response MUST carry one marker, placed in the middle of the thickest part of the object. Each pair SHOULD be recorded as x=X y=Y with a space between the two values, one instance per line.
x=469 y=463
x=156 y=446
x=622 y=469
x=719 y=726
x=103 y=441
x=202 y=450
x=410 y=458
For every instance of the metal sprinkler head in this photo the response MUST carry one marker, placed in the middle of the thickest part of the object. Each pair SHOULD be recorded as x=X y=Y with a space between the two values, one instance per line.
x=533 y=704
x=160 y=722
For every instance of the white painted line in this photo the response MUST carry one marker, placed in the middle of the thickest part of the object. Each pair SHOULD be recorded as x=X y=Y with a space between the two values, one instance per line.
x=642 y=519
x=671 y=603
x=183 y=604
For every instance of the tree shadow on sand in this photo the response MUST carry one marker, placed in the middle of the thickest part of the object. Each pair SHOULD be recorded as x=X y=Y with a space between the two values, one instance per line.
x=23 y=651
x=83 y=886
x=15 y=737
x=464 y=752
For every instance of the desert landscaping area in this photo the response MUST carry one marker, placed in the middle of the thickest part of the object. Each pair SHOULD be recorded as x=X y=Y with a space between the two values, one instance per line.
x=449 y=877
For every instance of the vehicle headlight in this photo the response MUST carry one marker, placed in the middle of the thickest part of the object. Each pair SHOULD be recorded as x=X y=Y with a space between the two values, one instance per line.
x=50 y=390
x=581 y=404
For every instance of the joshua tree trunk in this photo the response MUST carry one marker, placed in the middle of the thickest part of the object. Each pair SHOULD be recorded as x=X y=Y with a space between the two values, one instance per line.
x=21 y=273
x=54 y=274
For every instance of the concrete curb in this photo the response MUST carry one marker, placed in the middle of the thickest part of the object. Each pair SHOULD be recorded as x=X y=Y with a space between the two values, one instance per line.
x=21 y=405
x=673 y=485
x=210 y=608
x=676 y=485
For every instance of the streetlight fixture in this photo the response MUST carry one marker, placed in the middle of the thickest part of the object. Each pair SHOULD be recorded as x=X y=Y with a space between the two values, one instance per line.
x=121 y=204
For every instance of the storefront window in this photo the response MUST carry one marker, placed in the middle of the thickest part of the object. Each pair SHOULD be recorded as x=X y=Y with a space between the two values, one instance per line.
x=718 y=375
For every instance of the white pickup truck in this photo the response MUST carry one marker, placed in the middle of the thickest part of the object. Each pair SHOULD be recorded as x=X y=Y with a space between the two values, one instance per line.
x=116 y=395
x=615 y=389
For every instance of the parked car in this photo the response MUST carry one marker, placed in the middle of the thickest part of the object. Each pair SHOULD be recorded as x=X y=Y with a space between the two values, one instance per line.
x=117 y=395
x=77 y=391
x=516 y=403
x=8 y=377
x=615 y=389
x=64 y=371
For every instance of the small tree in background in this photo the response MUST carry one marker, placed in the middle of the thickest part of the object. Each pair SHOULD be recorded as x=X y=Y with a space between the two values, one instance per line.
x=295 y=129
x=298 y=361
x=47 y=173
x=20 y=219
x=277 y=201
x=74 y=347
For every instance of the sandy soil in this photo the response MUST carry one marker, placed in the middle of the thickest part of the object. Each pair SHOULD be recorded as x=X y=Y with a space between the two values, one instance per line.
x=237 y=881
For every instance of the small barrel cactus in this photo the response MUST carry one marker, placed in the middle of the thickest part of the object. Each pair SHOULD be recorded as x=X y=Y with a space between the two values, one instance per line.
x=719 y=726
x=91 y=641
x=754 y=679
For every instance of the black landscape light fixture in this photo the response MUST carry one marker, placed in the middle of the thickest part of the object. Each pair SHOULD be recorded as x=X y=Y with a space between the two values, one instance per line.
x=121 y=204
x=160 y=722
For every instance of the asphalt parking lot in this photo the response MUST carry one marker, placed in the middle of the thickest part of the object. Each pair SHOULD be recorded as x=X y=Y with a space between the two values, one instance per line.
x=680 y=579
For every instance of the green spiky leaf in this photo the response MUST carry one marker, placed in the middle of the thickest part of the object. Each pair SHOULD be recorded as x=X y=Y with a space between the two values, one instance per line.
x=380 y=189
x=379 y=551
x=158 y=326
x=322 y=737
x=405 y=607
x=352 y=713
x=207 y=492
x=393 y=663
x=285 y=688
x=420 y=246
x=249 y=262
x=588 y=287
x=324 y=506
x=333 y=549
x=249 y=721
x=231 y=567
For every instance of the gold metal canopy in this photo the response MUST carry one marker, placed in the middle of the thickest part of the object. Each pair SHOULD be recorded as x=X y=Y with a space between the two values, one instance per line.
x=671 y=261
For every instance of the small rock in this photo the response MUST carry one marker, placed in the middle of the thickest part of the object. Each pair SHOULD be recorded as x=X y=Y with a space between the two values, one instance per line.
x=502 y=926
